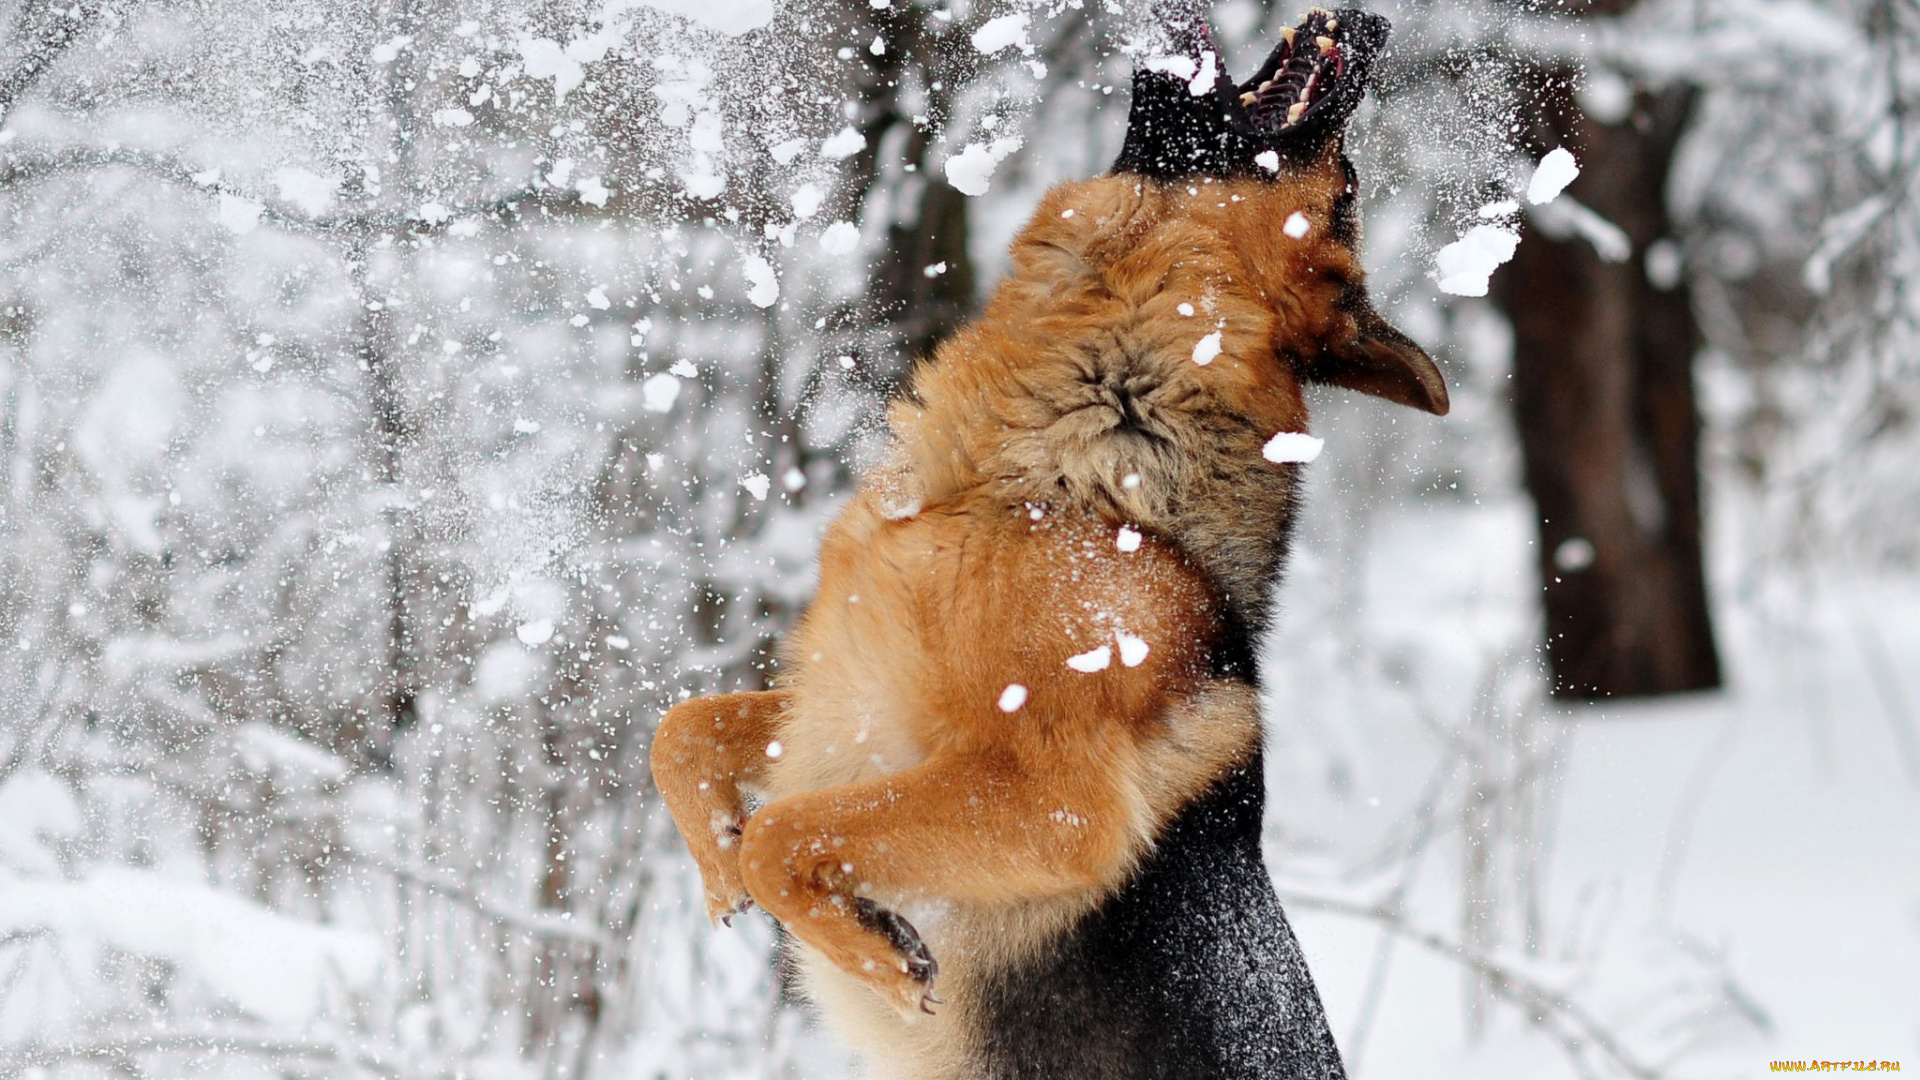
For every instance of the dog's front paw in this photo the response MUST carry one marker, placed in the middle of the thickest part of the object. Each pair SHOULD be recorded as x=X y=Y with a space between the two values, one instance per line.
x=908 y=983
x=720 y=873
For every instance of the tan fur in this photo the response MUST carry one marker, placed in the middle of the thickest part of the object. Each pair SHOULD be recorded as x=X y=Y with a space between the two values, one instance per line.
x=983 y=554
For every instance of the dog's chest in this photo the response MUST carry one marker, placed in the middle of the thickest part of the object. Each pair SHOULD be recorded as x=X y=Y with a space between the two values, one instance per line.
x=859 y=665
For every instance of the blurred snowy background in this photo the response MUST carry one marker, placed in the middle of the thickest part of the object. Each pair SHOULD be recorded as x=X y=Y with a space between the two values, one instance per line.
x=401 y=403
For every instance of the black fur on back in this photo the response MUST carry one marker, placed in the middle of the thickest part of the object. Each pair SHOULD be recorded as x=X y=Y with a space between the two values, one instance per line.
x=1189 y=972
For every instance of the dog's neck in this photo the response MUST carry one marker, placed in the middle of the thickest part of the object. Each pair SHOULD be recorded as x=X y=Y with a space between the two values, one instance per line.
x=1090 y=386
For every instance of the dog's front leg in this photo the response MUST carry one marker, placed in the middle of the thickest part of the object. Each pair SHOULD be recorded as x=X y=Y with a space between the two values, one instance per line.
x=833 y=865
x=703 y=752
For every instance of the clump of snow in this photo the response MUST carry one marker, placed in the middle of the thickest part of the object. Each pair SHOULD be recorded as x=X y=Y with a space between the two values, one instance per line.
x=597 y=298
x=1002 y=32
x=658 y=392
x=843 y=144
x=806 y=200
x=308 y=191
x=774 y=749
x=757 y=485
x=389 y=50
x=544 y=58
x=763 y=288
x=1297 y=225
x=1292 y=446
x=1206 y=349
x=1012 y=698
x=593 y=191
x=971 y=170
x=840 y=238
x=1204 y=79
x=702 y=184
x=1464 y=266
x=238 y=215
x=1133 y=650
x=1128 y=540
x=537 y=632
x=1267 y=160
x=785 y=152
x=1092 y=660
x=1554 y=173
x=1494 y=211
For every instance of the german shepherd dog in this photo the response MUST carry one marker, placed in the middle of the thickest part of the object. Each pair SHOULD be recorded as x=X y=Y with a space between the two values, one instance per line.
x=1009 y=781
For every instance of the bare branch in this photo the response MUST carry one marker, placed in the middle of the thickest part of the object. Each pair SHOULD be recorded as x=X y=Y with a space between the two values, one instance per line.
x=59 y=30
x=1503 y=980
x=548 y=202
x=539 y=924
x=19 y=1058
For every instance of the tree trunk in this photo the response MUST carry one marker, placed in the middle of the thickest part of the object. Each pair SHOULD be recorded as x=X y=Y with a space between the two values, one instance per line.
x=1603 y=398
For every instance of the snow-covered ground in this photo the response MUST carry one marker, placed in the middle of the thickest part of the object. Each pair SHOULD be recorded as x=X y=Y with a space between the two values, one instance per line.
x=1775 y=826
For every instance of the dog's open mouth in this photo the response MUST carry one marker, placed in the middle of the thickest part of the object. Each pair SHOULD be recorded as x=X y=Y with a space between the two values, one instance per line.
x=1301 y=74
x=1295 y=104
x=1315 y=76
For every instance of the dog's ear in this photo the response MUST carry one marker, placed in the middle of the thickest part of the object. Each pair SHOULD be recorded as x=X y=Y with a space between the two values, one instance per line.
x=1384 y=362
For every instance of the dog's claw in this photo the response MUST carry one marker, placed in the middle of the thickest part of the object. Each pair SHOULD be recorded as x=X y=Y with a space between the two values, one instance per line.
x=723 y=916
x=916 y=960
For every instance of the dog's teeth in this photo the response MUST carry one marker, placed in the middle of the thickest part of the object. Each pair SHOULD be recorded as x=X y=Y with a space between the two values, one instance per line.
x=1332 y=25
x=1326 y=45
x=1287 y=36
x=1296 y=111
x=1247 y=99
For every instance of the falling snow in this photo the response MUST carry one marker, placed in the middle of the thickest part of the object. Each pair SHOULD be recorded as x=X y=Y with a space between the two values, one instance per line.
x=1554 y=173
x=1206 y=349
x=402 y=408
x=1096 y=659
x=1292 y=446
